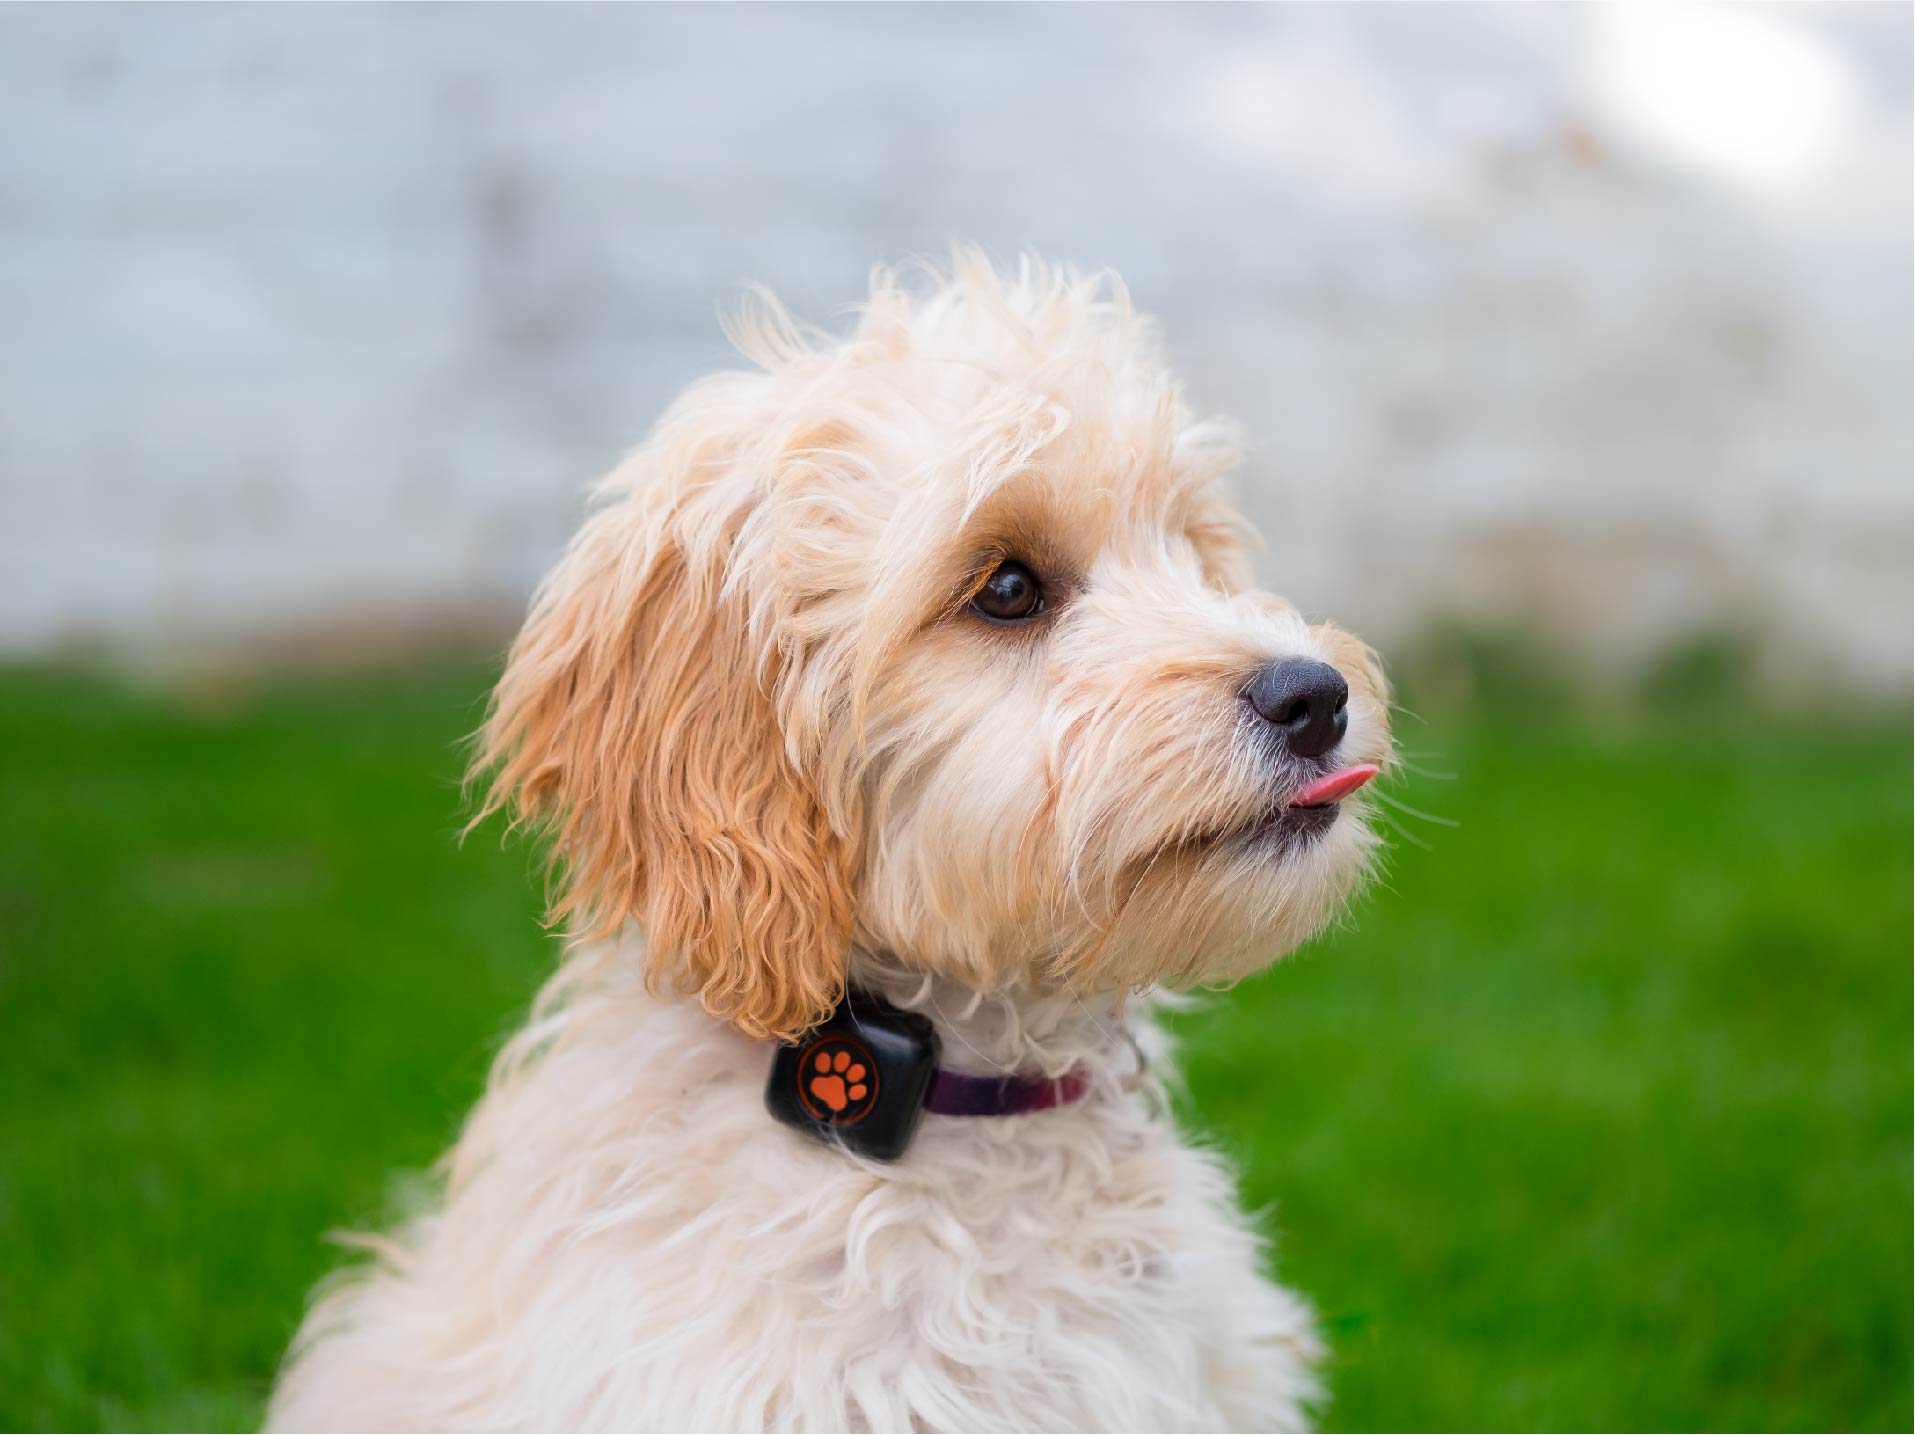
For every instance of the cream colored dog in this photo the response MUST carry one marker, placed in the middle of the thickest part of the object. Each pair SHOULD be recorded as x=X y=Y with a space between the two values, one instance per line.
x=927 y=660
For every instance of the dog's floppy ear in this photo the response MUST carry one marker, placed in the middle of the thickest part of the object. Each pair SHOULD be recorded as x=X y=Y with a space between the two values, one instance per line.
x=636 y=719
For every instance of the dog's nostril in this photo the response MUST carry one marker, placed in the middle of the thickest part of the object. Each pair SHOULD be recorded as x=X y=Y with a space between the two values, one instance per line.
x=1306 y=701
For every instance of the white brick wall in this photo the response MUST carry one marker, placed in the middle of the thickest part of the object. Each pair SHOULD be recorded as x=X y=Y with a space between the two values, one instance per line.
x=315 y=314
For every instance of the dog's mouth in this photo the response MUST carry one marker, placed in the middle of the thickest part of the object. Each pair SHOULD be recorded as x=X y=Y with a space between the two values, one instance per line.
x=1333 y=787
x=1313 y=808
x=1304 y=815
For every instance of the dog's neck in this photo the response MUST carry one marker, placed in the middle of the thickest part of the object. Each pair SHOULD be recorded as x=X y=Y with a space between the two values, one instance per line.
x=1025 y=1028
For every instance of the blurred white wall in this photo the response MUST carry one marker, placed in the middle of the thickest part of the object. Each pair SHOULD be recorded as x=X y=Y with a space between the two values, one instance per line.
x=1593 y=319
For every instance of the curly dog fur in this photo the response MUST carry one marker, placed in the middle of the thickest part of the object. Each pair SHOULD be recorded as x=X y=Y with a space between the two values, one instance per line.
x=778 y=745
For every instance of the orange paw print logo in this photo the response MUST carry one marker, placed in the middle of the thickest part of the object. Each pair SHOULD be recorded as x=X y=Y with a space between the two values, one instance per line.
x=836 y=1081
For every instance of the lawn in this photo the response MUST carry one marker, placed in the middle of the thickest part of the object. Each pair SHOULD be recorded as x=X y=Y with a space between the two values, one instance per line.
x=1596 y=1116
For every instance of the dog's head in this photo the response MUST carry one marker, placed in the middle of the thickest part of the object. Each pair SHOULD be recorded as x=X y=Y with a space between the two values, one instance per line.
x=941 y=642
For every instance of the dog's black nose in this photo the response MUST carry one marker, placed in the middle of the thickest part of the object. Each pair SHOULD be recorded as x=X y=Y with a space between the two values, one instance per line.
x=1307 y=701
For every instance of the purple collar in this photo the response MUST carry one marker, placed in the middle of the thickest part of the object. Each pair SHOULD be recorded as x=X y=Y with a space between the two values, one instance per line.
x=953 y=1093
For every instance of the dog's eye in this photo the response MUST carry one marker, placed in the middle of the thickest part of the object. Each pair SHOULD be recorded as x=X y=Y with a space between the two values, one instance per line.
x=1010 y=595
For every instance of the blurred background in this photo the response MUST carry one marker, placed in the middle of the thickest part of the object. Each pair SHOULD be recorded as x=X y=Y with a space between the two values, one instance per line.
x=1573 y=345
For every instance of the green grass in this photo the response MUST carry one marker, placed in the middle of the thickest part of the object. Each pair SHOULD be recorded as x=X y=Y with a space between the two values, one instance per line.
x=1597 y=1116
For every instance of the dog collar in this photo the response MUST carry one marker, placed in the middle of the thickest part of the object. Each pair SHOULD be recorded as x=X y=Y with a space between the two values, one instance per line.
x=864 y=1077
x=953 y=1093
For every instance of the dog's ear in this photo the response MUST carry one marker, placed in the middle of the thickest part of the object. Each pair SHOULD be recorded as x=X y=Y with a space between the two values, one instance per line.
x=636 y=719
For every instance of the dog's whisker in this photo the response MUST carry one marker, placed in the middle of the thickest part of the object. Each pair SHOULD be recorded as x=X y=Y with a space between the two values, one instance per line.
x=1400 y=710
x=1426 y=772
x=1417 y=813
x=1405 y=833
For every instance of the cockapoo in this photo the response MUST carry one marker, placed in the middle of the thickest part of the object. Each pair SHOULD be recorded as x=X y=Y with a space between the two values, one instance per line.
x=903 y=718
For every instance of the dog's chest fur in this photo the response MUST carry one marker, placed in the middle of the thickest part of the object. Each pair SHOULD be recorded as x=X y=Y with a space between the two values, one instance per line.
x=630 y=1242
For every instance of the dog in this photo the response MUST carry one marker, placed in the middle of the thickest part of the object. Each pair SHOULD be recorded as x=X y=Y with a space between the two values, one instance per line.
x=909 y=688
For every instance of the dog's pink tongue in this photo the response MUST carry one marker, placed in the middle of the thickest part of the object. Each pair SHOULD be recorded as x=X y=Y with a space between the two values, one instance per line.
x=1338 y=784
